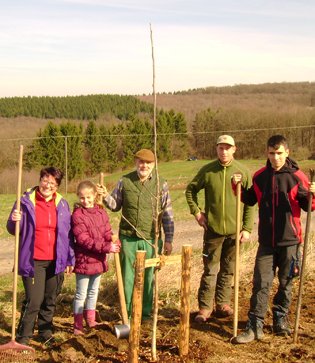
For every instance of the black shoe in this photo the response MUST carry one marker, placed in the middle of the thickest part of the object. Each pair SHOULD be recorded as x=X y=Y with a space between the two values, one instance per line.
x=48 y=342
x=281 y=324
x=253 y=331
x=22 y=341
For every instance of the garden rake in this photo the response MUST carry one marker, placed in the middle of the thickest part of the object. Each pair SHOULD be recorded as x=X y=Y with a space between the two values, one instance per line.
x=14 y=352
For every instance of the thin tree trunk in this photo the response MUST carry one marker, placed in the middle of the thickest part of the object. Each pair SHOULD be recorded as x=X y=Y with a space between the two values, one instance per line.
x=156 y=216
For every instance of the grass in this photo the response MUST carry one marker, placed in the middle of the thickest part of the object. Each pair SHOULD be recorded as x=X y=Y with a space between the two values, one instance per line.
x=178 y=175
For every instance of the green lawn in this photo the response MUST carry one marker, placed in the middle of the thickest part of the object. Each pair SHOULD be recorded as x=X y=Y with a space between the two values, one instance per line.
x=178 y=174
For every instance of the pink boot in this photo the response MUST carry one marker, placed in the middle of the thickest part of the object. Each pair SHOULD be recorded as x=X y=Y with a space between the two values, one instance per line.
x=89 y=316
x=78 y=324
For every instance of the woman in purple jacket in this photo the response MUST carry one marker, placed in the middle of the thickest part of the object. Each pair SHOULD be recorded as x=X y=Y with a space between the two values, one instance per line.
x=45 y=251
x=92 y=231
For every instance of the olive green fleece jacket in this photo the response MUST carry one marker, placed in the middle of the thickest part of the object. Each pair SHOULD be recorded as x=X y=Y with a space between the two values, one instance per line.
x=220 y=201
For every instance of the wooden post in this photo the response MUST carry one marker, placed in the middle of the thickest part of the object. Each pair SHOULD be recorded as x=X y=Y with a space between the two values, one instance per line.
x=237 y=258
x=185 y=301
x=136 y=313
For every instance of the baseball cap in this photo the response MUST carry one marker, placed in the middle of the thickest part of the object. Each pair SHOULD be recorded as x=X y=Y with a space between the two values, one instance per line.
x=146 y=155
x=226 y=139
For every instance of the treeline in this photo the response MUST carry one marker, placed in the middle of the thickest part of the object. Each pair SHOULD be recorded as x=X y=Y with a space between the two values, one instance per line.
x=284 y=88
x=251 y=128
x=90 y=107
x=106 y=148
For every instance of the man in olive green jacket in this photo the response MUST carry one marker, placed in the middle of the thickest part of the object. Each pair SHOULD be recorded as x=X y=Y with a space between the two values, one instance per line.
x=219 y=223
x=133 y=195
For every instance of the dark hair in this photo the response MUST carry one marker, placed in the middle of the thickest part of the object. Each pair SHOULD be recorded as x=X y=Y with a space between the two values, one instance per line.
x=54 y=172
x=276 y=141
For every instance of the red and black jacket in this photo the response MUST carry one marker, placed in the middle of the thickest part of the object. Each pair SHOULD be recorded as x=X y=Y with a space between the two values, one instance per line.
x=280 y=196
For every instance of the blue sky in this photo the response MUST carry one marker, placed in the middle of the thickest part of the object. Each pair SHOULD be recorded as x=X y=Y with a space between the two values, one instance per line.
x=74 y=47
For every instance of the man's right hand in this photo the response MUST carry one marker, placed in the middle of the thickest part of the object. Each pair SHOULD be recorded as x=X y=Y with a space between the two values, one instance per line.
x=237 y=177
x=101 y=190
x=201 y=219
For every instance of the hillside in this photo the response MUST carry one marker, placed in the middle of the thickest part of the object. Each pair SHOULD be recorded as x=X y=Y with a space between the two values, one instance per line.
x=268 y=96
x=188 y=124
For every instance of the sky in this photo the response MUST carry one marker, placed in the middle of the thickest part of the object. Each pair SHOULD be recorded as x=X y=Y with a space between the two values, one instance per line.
x=81 y=47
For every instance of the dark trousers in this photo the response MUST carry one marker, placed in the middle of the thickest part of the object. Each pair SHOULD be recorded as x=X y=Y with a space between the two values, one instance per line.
x=217 y=277
x=268 y=259
x=40 y=301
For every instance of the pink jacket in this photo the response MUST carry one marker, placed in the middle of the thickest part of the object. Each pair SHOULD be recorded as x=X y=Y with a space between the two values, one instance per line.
x=92 y=232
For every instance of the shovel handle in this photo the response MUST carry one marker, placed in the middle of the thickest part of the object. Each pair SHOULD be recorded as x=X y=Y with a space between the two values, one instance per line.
x=308 y=223
x=120 y=283
x=101 y=181
x=237 y=253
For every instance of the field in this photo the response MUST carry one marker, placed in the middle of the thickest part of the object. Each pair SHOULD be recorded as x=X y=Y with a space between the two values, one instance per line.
x=209 y=342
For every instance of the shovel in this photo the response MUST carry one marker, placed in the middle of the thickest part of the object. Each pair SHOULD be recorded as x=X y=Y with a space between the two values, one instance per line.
x=308 y=222
x=237 y=258
x=13 y=351
x=121 y=331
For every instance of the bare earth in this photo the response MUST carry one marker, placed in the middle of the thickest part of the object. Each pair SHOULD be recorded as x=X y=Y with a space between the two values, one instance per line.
x=209 y=342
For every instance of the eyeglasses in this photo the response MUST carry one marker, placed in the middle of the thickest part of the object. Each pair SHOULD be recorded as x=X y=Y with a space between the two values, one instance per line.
x=47 y=182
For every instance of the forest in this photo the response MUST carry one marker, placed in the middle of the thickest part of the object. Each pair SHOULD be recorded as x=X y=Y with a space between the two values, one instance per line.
x=90 y=107
x=102 y=132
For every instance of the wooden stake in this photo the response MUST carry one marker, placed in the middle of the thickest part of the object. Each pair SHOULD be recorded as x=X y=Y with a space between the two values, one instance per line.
x=156 y=216
x=185 y=301
x=237 y=258
x=134 y=338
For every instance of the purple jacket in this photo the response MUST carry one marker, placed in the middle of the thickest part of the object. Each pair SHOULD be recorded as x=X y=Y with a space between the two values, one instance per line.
x=64 y=242
x=92 y=233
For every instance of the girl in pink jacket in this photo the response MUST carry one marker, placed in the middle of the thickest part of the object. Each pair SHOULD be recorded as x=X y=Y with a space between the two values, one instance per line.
x=92 y=231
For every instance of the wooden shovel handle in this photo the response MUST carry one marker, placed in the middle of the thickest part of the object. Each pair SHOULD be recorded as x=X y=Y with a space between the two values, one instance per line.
x=17 y=241
x=101 y=181
x=120 y=283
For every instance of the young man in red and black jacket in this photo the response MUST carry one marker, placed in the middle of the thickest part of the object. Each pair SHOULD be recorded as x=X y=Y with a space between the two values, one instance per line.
x=281 y=190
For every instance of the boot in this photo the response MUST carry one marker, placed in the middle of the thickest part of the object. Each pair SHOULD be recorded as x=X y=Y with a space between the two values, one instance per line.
x=253 y=331
x=89 y=316
x=281 y=324
x=203 y=315
x=78 y=324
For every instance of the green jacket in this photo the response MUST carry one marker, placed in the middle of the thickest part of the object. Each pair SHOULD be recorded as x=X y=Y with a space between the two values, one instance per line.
x=220 y=201
x=138 y=205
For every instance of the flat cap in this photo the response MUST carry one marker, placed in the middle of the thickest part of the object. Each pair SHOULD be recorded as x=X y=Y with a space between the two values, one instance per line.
x=146 y=155
x=226 y=139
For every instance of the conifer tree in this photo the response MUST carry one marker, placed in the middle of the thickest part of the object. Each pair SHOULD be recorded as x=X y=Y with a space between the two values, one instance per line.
x=75 y=160
x=96 y=153
x=111 y=146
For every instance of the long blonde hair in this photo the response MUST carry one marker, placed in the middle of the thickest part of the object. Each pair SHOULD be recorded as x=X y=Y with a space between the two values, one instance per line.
x=87 y=184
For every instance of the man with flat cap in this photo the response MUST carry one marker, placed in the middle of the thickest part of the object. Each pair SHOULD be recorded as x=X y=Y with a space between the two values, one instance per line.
x=219 y=223
x=133 y=194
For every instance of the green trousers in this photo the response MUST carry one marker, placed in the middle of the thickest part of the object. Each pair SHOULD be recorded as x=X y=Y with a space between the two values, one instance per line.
x=217 y=277
x=129 y=247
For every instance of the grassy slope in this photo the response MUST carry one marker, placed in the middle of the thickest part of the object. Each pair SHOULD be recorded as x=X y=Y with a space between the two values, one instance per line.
x=177 y=174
